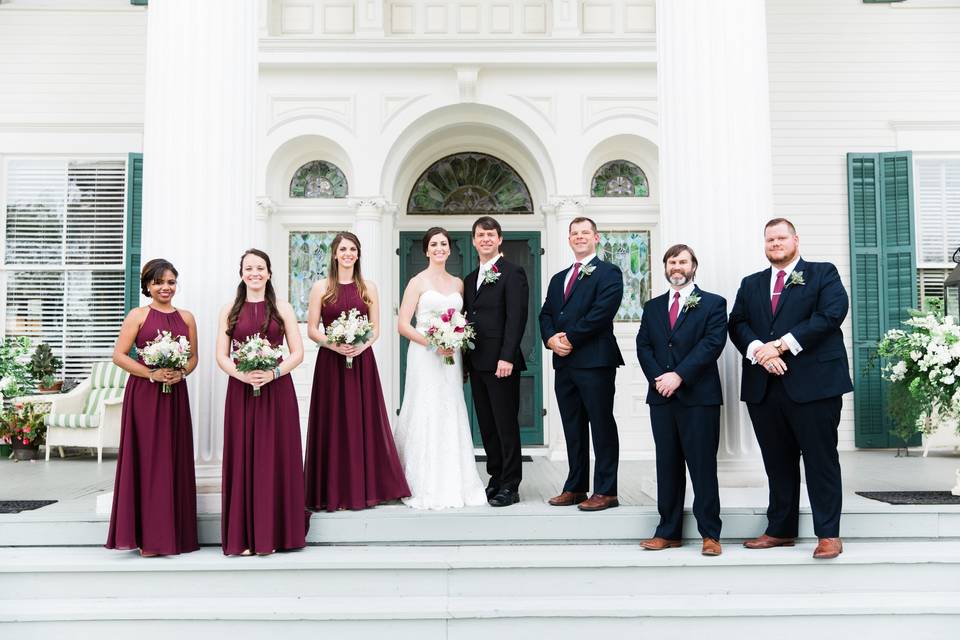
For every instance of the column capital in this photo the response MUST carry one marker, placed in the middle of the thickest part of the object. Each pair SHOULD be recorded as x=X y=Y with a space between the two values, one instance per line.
x=265 y=207
x=372 y=207
x=566 y=206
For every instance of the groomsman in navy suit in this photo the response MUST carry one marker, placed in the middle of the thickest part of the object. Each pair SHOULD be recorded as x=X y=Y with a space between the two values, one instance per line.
x=576 y=323
x=786 y=323
x=682 y=333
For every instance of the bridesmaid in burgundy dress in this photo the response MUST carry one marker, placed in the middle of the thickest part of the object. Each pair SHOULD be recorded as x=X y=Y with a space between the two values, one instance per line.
x=155 y=494
x=352 y=461
x=262 y=460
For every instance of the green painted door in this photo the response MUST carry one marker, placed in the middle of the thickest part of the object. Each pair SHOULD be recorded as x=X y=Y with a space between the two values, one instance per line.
x=519 y=247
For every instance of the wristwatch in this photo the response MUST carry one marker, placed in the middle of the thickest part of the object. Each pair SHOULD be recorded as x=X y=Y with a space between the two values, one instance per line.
x=779 y=345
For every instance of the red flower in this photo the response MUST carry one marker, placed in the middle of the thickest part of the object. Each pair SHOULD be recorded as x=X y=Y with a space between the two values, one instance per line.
x=431 y=331
x=26 y=429
x=494 y=269
x=25 y=441
x=458 y=330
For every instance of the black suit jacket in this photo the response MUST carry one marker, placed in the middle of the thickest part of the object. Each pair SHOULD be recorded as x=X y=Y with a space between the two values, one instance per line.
x=812 y=313
x=690 y=349
x=499 y=314
x=586 y=316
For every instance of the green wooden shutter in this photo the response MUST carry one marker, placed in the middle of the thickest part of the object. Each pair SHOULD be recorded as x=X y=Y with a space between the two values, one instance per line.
x=134 y=218
x=883 y=275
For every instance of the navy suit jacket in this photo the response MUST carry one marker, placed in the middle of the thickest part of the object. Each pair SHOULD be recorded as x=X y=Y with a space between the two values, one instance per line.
x=690 y=349
x=812 y=312
x=586 y=316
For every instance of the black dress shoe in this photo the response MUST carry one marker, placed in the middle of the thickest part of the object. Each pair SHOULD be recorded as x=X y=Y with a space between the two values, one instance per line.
x=492 y=491
x=505 y=498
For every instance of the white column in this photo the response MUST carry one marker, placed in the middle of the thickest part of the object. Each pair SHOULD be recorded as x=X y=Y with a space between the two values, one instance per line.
x=715 y=161
x=368 y=228
x=198 y=199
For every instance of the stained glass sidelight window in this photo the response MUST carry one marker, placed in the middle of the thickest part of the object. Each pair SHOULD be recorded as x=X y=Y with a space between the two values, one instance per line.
x=470 y=183
x=619 y=179
x=318 y=179
x=629 y=250
x=309 y=261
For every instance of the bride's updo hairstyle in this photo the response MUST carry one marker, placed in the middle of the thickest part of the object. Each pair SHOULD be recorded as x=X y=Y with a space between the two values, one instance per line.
x=435 y=231
x=333 y=272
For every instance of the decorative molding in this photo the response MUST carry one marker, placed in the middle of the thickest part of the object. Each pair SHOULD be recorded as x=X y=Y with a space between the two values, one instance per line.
x=559 y=203
x=391 y=105
x=338 y=109
x=596 y=109
x=265 y=207
x=369 y=206
x=467 y=83
x=545 y=106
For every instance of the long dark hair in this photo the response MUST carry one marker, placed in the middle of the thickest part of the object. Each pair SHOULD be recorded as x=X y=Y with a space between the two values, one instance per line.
x=333 y=273
x=271 y=296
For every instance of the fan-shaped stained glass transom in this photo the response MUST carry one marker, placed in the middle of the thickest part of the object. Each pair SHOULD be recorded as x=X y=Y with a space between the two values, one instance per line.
x=318 y=179
x=470 y=183
x=619 y=179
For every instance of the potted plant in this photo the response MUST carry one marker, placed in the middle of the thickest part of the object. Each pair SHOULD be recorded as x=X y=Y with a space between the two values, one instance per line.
x=26 y=429
x=15 y=357
x=6 y=447
x=43 y=366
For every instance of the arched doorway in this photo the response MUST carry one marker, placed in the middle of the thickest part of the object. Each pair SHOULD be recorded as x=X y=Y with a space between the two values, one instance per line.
x=468 y=185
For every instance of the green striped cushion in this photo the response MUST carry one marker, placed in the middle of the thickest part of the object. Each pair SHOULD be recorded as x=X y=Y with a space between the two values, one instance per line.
x=72 y=420
x=107 y=375
x=97 y=396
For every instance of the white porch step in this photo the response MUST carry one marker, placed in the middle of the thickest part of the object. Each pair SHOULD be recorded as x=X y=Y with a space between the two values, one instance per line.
x=467 y=592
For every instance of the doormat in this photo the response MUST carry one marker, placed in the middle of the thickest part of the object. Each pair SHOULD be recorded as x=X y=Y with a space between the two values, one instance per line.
x=522 y=458
x=16 y=506
x=911 y=497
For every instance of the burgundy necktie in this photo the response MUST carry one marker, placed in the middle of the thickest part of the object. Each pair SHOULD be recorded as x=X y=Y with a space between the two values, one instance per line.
x=777 y=290
x=573 y=278
x=675 y=309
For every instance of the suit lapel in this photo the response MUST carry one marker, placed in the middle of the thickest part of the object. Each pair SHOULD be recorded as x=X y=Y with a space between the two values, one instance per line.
x=576 y=282
x=484 y=285
x=683 y=313
x=787 y=289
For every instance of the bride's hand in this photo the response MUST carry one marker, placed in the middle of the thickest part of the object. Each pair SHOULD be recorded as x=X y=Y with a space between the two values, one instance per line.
x=445 y=352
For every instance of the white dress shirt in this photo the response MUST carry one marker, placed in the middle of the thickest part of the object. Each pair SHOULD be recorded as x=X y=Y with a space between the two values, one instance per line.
x=684 y=294
x=585 y=261
x=486 y=266
x=788 y=338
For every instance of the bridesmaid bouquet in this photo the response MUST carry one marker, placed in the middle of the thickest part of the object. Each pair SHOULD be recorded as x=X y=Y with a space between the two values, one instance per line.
x=350 y=328
x=166 y=352
x=450 y=330
x=255 y=354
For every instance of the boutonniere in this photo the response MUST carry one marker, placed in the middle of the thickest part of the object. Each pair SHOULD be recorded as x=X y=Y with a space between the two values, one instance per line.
x=796 y=278
x=586 y=271
x=691 y=302
x=491 y=275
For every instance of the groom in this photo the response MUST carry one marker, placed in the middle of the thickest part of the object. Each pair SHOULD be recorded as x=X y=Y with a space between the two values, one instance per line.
x=495 y=297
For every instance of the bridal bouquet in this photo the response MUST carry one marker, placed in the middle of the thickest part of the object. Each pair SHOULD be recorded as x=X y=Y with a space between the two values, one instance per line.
x=166 y=352
x=450 y=330
x=255 y=354
x=350 y=328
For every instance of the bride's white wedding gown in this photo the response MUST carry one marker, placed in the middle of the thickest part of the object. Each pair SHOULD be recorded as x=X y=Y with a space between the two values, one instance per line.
x=433 y=434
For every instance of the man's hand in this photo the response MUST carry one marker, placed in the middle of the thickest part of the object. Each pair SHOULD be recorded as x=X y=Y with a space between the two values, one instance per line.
x=667 y=383
x=765 y=353
x=559 y=344
x=504 y=369
x=774 y=366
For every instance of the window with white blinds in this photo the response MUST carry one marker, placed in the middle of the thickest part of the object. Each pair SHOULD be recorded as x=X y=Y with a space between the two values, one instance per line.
x=63 y=256
x=937 y=193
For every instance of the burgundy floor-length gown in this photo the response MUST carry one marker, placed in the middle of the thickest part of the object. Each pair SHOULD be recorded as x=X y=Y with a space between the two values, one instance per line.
x=262 y=460
x=155 y=492
x=352 y=461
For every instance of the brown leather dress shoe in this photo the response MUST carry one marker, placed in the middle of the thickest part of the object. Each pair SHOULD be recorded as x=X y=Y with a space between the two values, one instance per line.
x=567 y=499
x=711 y=547
x=768 y=542
x=598 y=502
x=659 y=544
x=828 y=548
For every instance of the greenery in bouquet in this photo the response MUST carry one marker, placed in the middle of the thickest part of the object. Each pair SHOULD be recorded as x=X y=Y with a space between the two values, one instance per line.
x=15 y=358
x=923 y=367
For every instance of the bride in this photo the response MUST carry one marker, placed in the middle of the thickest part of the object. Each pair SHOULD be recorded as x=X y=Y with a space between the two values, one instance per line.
x=433 y=435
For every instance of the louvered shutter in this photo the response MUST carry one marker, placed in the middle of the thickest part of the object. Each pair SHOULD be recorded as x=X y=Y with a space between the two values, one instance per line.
x=883 y=275
x=64 y=256
x=134 y=226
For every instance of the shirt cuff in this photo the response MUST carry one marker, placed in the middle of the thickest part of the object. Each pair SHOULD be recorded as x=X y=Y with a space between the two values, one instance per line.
x=792 y=343
x=752 y=349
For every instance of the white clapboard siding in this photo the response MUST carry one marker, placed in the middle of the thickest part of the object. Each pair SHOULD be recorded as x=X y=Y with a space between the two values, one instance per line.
x=64 y=256
x=72 y=62
x=841 y=72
